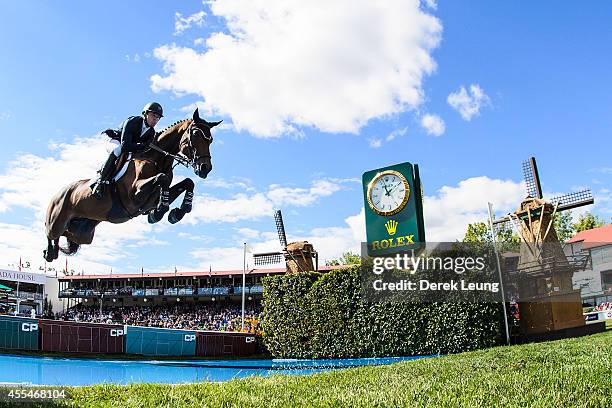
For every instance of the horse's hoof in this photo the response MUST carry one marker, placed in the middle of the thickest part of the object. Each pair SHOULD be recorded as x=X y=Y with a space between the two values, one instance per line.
x=47 y=256
x=175 y=216
x=152 y=218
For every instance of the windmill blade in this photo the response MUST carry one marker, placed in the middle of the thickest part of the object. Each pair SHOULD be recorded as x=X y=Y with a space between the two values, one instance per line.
x=573 y=200
x=268 y=258
x=280 y=228
x=532 y=178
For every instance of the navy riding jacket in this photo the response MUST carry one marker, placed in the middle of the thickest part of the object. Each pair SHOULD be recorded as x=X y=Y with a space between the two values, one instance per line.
x=132 y=137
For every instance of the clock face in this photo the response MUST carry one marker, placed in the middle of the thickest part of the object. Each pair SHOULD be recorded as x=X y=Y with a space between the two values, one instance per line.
x=388 y=192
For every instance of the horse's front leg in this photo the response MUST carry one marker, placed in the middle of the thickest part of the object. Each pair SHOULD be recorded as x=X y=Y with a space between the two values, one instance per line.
x=52 y=252
x=152 y=191
x=186 y=186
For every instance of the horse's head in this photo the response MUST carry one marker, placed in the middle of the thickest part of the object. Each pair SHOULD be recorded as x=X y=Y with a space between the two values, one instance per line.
x=195 y=144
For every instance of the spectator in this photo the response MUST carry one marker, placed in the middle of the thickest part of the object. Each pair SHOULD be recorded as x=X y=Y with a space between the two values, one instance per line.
x=186 y=316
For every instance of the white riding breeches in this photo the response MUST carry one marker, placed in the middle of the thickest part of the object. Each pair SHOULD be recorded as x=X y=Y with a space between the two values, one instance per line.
x=113 y=146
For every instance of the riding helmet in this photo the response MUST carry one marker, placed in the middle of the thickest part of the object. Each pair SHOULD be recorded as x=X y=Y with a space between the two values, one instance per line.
x=153 y=107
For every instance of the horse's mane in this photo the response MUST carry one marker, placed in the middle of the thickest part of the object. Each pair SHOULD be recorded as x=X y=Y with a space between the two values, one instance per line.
x=170 y=128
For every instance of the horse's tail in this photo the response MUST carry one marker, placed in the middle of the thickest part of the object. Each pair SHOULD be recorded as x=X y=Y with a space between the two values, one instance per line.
x=71 y=249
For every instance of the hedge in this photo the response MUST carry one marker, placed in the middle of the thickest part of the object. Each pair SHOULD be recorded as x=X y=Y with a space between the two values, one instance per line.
x=325 y=315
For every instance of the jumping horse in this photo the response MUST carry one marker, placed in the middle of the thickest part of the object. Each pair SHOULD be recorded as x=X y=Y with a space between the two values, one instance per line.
x=144 y=188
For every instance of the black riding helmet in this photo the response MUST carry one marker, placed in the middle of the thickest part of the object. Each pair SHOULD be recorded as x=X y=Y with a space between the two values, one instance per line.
x=153 y=107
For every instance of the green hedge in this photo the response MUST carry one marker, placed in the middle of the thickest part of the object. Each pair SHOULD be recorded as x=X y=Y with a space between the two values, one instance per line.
x=314 y=315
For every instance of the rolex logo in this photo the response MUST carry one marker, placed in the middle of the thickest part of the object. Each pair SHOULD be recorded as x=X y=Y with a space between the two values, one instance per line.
x=391 y=227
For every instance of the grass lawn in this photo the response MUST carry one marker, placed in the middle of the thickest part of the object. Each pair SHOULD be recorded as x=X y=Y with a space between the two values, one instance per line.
x=564 y=373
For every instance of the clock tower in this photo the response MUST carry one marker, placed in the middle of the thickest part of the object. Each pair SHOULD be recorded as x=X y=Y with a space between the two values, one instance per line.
x=393 y=204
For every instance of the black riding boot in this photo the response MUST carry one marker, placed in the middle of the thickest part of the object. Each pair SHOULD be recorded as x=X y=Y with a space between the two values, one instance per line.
x=106 y=172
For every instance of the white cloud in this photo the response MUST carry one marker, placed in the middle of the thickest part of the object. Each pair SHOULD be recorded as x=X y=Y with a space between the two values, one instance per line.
x=257 y=205
x=248 y=233
x=468 y=104
x=183 y=23
x=241 y=207
x=29 y=183
x=432 y=4
x=28 y=241
x=330 y=65
x=396 y=133
x=603 y=170
x=301 y=197
x=330 y=242
x=229 y=184
x=375 y=143
x=452 y=208
x=133 y=58
x=433 y=124
x=32 y=180
x=5 y=115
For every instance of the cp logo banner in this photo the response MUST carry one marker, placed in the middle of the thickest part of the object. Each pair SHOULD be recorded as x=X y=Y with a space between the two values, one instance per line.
x=29 y=327
x=116 y=332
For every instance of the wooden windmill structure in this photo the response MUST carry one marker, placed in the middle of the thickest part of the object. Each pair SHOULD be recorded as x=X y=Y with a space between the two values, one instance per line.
x=547 y=300
x=299 y=256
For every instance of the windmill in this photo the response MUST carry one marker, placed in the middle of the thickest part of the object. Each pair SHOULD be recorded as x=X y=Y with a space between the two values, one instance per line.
x=547 y=300
x=298 y=256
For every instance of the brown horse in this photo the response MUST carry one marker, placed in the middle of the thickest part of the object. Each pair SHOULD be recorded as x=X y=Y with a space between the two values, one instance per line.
x=144 y=188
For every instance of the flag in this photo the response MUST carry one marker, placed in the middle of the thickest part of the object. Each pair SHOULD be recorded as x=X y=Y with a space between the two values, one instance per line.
x=19 y=264
x=141 y=271
x=66 y=266
x=248 y=248
x=209 y=270
x=175 y=271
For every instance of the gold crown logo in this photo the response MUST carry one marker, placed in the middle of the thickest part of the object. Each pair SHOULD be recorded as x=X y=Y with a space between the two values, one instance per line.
x=391 y=227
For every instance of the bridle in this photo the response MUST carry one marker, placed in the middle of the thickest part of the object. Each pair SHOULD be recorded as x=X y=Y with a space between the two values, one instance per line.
x=186 y=160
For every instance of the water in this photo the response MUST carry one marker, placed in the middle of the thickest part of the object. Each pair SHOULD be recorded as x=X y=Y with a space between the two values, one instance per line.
x=33 y=370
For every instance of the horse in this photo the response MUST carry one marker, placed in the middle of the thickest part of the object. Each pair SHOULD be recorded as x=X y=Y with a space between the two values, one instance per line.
x=143 y=188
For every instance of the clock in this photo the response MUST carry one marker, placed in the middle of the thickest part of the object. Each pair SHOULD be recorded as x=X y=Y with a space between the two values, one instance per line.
x=388 y=192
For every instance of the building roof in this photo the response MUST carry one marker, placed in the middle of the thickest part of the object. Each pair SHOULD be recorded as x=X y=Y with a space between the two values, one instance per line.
x=194 y=274
x=594 y=237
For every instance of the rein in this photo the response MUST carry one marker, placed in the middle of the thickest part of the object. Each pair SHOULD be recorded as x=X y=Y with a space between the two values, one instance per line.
x=180 y=157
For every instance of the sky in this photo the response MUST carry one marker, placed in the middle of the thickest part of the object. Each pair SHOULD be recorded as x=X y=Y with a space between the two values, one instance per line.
x=312 y=95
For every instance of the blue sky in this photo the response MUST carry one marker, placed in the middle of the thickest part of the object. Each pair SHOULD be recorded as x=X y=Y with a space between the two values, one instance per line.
x=312 y=94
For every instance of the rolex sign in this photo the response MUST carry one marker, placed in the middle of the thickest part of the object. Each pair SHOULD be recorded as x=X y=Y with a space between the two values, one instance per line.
x=393 y=209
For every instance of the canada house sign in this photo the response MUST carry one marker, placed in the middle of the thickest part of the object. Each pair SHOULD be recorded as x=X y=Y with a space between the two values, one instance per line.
x=393 y=201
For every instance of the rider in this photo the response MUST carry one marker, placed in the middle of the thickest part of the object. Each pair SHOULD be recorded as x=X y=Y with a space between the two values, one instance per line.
x=136 y=133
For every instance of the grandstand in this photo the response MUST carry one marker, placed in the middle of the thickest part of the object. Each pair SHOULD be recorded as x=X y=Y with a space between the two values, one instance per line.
x=115 y=290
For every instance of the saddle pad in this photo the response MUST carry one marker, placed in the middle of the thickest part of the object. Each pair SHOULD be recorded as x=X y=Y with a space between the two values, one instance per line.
x=123 y=169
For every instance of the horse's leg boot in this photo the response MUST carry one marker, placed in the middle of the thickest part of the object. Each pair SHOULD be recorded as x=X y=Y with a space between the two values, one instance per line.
x=105 y=175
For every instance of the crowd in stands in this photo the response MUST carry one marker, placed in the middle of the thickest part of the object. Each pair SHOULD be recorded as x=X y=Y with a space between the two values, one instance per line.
x=185 y=316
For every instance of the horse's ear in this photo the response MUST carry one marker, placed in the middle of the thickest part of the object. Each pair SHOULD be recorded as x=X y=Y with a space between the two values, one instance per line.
x=196 y=115
x=213 y=124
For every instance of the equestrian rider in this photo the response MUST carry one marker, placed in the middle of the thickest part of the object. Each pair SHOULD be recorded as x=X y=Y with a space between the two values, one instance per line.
x=136 y=133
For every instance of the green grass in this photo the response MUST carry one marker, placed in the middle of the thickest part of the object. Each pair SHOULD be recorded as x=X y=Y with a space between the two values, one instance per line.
x=565 y=373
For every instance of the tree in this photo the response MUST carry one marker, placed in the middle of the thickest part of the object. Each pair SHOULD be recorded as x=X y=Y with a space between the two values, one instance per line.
x=588 y=221
x=479 y=232
x=347 y=258
x=563 y=225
